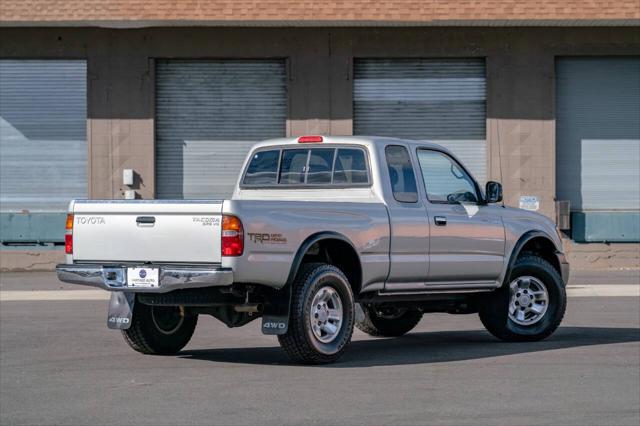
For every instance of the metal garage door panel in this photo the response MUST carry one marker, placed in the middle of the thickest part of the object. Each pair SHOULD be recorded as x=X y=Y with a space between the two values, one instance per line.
x=43 y=147
x=442 y=100
x=610 y=174
x=208 y=115
x=598 y=133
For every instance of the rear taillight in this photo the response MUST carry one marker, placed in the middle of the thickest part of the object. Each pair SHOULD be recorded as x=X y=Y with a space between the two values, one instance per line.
x=68 y=236
x=232 y=236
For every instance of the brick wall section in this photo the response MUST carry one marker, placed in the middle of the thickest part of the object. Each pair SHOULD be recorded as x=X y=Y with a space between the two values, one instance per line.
x=301 y=11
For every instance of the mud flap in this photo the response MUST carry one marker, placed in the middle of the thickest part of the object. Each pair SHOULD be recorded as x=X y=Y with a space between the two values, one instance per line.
x=359 y=314
x=120 y=310
x=275 y=317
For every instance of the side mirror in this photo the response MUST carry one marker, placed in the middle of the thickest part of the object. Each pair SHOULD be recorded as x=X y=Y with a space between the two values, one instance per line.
x=493 y=192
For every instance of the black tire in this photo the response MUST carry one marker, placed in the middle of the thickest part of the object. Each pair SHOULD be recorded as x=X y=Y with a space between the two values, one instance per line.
x=393 y=325
x=157 y=331
x=494 y=311
x=299 y=342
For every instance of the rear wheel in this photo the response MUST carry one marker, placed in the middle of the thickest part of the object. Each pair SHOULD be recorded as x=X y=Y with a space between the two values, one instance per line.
x=159 y=330
x=531 y=306
x=322 y=315
x=388 y=321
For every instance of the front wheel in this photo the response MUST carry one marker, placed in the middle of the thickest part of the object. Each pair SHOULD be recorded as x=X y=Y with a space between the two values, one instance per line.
x=530 y=307
x=322 y=315
x=159 y=330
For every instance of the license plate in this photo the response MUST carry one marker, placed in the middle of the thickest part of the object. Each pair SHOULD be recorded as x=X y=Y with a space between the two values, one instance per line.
x=142 y=277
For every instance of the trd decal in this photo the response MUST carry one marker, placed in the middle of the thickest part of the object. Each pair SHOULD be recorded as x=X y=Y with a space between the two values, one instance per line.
x=266 y=238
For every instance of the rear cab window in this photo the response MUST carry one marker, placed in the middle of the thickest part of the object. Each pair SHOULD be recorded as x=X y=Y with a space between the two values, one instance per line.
x=313 y=167
x=351 y=167
x=320 y=166
x=293 y=166
x=263 y=168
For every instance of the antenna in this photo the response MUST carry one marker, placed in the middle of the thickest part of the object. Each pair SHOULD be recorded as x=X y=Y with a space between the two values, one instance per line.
x=499 y=153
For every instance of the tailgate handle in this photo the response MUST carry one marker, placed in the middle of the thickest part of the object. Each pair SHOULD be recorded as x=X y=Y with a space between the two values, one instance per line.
x=146 y=220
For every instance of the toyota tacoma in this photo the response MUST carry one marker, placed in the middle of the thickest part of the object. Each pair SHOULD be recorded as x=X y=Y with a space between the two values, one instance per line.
x=321 y=235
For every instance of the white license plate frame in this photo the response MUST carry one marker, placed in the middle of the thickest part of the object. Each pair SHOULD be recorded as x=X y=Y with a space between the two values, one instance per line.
x=143 y=277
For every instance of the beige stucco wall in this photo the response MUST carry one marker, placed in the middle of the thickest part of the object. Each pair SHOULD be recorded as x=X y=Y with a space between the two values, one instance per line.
x=520 y=66
x=520 y=85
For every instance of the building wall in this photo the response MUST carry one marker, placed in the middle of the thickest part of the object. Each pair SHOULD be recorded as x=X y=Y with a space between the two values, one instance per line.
x=520 y=85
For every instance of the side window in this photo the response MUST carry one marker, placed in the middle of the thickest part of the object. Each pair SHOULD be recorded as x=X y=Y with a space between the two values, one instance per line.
x=320 y=166
x=403 y=180
x=350 y=167
x=444 y=179
x=263 y=168
x=293 y=166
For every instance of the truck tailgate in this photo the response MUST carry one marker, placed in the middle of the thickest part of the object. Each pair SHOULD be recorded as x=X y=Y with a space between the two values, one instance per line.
x=147 y=231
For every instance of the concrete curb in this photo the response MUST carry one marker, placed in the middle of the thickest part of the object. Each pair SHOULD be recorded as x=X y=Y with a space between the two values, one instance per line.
x=30 y=260
x=599 y=256
x=609 y=290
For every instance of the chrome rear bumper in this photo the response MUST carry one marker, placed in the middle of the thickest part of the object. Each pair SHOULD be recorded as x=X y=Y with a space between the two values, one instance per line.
x=114 y=278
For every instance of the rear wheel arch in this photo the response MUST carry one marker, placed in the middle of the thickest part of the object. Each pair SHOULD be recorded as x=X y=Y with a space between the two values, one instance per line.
x=334 y=249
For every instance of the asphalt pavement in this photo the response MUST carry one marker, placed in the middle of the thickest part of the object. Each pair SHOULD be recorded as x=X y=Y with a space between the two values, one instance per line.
x=59 y=364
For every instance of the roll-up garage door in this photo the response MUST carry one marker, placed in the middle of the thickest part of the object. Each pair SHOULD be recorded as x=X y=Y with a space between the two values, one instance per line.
x=208 y=115
x=43 y=146
x=598 y=145
x=441 y=100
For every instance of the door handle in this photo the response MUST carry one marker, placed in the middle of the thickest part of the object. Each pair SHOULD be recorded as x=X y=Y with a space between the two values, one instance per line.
x=440 y=220
x=145 y=220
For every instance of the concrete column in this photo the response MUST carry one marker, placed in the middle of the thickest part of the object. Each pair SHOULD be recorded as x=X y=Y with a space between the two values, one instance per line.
x=341 y=78
x=309 y=84
x=521 y=125
x=120 y=126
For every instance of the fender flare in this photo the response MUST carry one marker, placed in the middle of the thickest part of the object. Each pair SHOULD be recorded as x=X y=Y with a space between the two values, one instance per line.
x=306 y=245
x=517 y=248
x=275 y=319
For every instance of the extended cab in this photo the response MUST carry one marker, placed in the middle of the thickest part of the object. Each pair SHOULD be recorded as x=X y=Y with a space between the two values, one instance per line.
x=322 y=234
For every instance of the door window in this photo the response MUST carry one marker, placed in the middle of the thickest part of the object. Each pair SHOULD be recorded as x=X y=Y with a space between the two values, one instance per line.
x=444 y=180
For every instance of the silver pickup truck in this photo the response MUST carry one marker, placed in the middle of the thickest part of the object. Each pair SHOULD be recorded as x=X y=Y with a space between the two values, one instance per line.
x=322 y=234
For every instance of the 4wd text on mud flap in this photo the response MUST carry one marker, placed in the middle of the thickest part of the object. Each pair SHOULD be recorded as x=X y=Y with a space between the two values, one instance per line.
x=274 y=325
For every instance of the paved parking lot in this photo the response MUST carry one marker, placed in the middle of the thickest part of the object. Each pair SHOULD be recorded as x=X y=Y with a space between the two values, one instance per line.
x=59 y=364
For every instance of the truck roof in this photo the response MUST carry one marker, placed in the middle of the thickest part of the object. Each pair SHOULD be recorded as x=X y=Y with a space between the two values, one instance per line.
x=371 y=193
x=355 y=140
